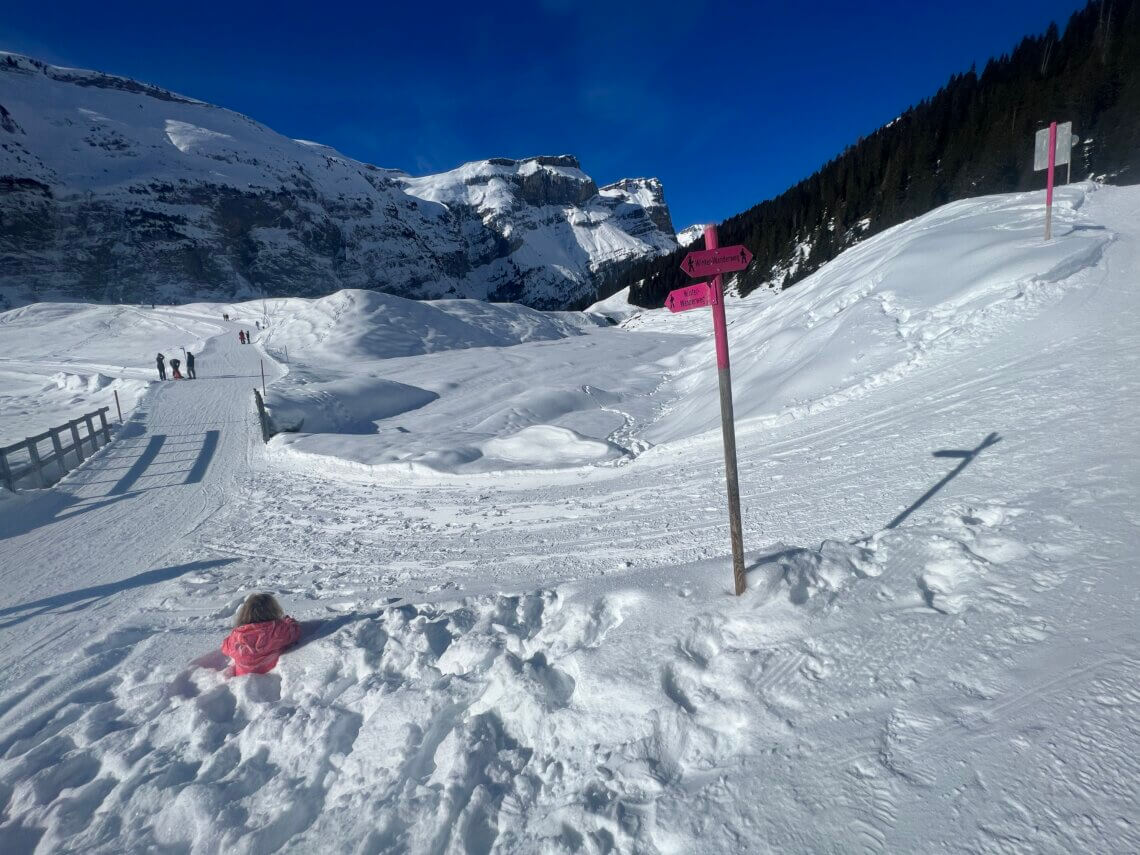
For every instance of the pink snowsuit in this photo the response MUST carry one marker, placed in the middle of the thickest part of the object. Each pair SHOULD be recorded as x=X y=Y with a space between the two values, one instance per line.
x=254 y=647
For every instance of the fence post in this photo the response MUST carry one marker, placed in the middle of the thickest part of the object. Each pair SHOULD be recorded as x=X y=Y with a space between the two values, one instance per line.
x=58 y=446
x=106 y=427
x=91 y=435
x=34 y=455
x=5 y=472
x=262 y=416
x=117 y=407
x=75 y=438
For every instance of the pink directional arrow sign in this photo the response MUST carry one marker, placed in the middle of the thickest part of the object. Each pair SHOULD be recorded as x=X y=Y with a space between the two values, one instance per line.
x=726 y=259
x=690 y=297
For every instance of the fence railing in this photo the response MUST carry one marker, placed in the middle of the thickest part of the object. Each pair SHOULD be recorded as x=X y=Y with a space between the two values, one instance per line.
x=262 y=417
x=23 y=461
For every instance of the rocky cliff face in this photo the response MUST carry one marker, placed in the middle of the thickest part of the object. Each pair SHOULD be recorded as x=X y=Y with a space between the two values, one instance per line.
x=113 y=190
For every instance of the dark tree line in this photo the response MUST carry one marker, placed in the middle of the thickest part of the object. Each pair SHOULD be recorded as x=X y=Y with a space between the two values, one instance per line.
x=974 y=137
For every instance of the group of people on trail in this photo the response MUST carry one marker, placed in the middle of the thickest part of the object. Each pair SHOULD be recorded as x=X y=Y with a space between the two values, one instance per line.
x=176 y=364
x=175 y=367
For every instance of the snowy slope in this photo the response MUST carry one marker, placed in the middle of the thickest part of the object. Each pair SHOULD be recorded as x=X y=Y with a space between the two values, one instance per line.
x=937 y=650
x=118 y=191
x=923 y=291
x=341 y=350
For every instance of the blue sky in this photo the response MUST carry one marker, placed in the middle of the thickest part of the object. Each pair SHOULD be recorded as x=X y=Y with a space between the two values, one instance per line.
x=728 y=104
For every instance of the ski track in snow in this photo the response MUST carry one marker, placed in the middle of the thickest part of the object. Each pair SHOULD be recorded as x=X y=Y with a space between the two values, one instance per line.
x=515 y=664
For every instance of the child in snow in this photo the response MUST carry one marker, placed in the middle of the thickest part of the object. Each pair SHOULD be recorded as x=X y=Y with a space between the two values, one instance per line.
x=261 y=632
x=175 y=373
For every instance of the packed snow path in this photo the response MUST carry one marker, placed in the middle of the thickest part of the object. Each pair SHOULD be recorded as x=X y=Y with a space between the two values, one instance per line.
x=936 y=652
x=110 y=525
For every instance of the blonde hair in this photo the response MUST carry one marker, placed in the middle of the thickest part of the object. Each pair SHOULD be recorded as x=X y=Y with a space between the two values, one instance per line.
x=258 y=608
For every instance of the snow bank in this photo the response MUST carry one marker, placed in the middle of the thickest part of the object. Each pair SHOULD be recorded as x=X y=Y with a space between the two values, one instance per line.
x=616 y=308
x=521 y=722
x=938 y=284
x=351 y=405
x=382 y=387
x=352 y=327
x=544 y=445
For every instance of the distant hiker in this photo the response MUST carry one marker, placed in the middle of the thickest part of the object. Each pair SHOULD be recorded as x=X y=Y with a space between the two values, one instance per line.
x=241 y=336
x=261 y=632
x=190 y=375
x=175 y=374
x=160 y=360
x=247 y=338
x=257 y=324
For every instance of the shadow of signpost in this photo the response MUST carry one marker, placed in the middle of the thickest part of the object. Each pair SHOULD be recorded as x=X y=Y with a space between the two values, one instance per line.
x=793 y=569
x=967 y=458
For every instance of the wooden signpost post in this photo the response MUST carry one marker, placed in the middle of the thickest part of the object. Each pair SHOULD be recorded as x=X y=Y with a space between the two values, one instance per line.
x=717 y=260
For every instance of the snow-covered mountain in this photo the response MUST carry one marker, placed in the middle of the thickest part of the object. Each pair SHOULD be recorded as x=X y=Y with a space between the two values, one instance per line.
x=111 y=189
x=693 y=233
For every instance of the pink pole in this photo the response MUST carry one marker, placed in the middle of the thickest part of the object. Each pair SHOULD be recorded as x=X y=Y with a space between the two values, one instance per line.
x=727 y=420
x=720 y=326
x=1049 y=184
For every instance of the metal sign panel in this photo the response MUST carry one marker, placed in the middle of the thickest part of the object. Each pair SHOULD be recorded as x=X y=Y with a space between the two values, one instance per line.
x=690 y=297
x=1041 y=150
x=726 y=259
x=1064 y=143
x=1041 y=147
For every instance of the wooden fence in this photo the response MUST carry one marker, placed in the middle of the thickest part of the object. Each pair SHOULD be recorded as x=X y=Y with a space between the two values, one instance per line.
x=24 y=460
x=263 y=417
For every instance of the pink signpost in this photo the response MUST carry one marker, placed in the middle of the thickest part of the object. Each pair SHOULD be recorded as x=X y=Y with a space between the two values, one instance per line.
x=1052 y=146
x=714 y=259
x=692 y=297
